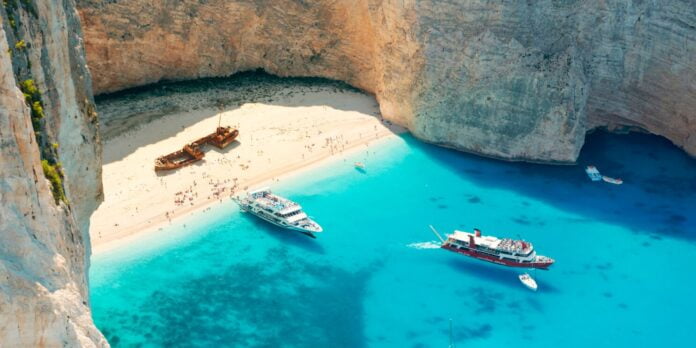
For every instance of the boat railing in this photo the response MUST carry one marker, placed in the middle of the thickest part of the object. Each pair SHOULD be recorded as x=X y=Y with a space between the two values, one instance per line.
x=275 y=205
x=515 y=246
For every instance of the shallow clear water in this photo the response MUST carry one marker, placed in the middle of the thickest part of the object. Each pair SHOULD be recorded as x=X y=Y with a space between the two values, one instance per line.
x=623 y=276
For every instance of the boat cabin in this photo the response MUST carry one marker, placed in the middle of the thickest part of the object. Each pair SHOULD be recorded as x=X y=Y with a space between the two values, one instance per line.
x=277 y=206
x=490 y=245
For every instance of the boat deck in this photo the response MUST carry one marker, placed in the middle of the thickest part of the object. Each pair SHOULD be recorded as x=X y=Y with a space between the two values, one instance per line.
x=277 y=204
x=494 y=243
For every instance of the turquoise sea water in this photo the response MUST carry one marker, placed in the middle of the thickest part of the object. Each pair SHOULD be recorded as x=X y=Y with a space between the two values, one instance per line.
x=624 y=273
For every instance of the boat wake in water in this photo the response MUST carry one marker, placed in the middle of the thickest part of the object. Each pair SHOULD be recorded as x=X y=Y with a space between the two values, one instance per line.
x=425 y=245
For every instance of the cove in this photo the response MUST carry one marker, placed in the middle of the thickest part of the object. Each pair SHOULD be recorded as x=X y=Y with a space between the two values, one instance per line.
x=623 y=274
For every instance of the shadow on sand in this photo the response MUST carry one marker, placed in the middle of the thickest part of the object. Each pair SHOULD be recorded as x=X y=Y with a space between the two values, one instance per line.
x=125 y=111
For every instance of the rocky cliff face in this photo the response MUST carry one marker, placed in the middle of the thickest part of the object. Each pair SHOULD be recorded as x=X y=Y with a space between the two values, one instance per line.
x=50 y=177
x=511 y=79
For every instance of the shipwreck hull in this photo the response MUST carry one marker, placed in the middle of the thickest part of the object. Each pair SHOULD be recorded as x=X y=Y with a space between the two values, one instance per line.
x=191 y=153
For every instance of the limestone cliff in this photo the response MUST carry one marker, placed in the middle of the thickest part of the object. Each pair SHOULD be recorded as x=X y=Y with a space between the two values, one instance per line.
x=510 y=79
x=48 y=130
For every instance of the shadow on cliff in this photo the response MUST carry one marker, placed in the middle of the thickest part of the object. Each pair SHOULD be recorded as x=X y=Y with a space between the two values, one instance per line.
x=125 y=110
x=657 y=198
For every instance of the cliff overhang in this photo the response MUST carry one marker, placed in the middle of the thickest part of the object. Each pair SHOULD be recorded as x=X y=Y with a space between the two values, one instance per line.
x=516 y=81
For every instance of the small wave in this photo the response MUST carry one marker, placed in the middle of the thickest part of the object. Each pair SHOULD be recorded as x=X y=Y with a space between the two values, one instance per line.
x=424 y=245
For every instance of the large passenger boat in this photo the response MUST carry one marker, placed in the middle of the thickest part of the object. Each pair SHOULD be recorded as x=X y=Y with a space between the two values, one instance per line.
x=279 y=211
x=507 y=252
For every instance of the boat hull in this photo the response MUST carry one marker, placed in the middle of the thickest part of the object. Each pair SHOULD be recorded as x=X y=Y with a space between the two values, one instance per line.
x=497 y=260
x=612 y=180
x=261 y=216
x=192 y=153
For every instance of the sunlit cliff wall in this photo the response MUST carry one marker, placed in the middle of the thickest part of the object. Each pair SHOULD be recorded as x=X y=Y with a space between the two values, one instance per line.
x=44 y=244
x=522 y=80
x=510 y=79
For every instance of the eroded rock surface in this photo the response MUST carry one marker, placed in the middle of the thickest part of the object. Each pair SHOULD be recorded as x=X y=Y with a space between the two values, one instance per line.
x=44 y=241
x=511 y=79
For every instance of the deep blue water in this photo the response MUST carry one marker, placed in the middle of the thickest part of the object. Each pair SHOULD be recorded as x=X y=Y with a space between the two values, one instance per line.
x=624 y=272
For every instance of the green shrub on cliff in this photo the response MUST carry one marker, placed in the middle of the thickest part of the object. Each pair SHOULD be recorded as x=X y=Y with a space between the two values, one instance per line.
x=37 y=110
x=53 y=174
x=29 y=89
x=10 y=4
x=20 y=45
x=33 y=99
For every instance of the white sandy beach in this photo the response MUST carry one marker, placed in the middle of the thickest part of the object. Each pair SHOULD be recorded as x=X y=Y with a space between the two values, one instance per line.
x=294 y=132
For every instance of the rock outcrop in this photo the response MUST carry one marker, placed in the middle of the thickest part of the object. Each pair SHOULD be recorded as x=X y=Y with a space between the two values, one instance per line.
x=512 y=79
x=44 y=241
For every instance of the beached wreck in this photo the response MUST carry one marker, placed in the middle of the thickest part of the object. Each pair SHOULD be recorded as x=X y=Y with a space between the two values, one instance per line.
x=192 y=152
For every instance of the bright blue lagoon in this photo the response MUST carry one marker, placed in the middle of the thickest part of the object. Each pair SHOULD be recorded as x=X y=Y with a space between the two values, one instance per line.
x=624 y=272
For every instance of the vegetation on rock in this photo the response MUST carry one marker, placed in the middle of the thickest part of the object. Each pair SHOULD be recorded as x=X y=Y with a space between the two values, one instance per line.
x=49 y=154
x=54 y=174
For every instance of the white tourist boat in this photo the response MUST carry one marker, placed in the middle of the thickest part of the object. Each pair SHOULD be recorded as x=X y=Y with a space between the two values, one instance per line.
x=279 y=211
x=528 y=281
x=593 y=173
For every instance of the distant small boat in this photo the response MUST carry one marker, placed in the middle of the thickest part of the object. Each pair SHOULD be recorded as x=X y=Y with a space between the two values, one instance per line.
x=528 y=281
x=359 y=165
x=593 y=173
x=614 y=181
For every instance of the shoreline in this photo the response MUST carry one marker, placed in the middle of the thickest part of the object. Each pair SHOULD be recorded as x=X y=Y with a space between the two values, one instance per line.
x=134 y=233
x=298 y=133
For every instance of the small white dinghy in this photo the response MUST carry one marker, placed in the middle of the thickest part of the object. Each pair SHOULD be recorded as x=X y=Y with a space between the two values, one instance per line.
x=528 y=281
